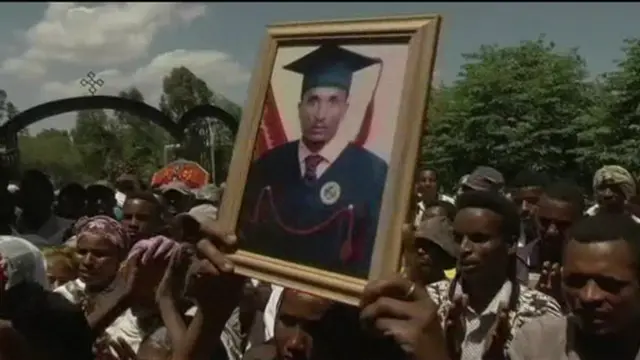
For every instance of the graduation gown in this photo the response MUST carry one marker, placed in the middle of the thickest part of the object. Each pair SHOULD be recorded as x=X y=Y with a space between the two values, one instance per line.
x=328 y=224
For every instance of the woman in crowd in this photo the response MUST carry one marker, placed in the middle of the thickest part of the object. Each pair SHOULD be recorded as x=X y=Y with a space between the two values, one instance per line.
x=62 y=265
x=101 y=245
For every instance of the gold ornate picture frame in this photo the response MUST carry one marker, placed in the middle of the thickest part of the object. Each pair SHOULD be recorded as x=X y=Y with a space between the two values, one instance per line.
x=382 y=119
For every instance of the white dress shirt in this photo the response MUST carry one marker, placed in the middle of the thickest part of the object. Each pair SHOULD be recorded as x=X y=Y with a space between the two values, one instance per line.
x=422 y=208
x=329 y=153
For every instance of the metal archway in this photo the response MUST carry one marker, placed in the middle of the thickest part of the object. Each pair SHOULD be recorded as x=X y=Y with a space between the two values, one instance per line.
x=141 y=109
x=10 y=129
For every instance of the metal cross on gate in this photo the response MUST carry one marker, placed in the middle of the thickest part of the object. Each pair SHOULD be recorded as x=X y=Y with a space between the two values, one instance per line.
x=91 y=83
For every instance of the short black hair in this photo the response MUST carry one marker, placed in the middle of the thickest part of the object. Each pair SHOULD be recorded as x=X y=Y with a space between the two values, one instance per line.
x=569 y=192
x=99 y=190
x=529 y=178
x=428 y=169
x=37 y=178
x=497 y=203
x=606 y=227
x=448 y=207
x=147 y=196
x=73 y=189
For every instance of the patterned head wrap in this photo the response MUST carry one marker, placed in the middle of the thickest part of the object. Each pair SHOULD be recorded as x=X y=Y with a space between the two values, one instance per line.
x=21 y=261
x=105 y=227
x=616 y=175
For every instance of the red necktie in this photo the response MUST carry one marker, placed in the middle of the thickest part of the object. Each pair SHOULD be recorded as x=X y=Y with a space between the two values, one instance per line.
x=311 y=163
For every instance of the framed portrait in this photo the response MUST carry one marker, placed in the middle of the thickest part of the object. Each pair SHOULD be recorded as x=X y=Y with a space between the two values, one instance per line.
x=322 y=170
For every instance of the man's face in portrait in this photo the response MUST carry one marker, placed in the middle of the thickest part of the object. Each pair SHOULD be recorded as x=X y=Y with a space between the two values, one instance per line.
x=320 y=111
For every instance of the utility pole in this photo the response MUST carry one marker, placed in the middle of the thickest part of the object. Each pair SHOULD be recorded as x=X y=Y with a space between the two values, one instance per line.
x=167 y=149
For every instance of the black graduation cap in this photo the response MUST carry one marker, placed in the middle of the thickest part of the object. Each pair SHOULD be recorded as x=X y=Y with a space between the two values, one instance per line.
x=330 y=66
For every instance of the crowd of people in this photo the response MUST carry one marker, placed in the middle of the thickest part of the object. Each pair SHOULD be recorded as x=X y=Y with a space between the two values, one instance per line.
x=518 y=269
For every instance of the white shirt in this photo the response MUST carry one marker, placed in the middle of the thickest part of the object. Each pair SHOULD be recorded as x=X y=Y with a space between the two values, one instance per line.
x=422 y=208
x=270 y=311
x=120 y=198
x=329 y=153
x=125 y=326
x=594 y=210
x=478 y=325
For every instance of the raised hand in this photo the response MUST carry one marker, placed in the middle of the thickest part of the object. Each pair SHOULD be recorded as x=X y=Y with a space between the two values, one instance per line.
x=404 y=312
x=157 y=247
x=212 y=273
x=172 y=283
x=550 y=281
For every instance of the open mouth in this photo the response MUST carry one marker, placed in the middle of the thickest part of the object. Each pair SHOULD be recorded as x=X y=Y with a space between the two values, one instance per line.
x=467 y=266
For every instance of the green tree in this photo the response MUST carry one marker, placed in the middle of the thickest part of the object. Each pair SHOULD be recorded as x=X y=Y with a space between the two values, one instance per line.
x=224 y=138
x=3 y=105
x=142 y=140
x=9 y=162
x=99 y=146
x=183 y=90
x=512 y=107
x=610 y=132
x=53 y=152
x=7 y=108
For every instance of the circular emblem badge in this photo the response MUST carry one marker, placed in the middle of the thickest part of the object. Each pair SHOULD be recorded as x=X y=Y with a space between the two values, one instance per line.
x=330 y=193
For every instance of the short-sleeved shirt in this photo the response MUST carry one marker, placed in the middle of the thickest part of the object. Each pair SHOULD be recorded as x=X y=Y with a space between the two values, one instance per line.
x=530 y=304
x=548 y=338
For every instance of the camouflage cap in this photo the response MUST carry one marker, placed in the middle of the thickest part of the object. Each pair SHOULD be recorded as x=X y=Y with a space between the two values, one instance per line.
x=485 y=178
x=439 y=231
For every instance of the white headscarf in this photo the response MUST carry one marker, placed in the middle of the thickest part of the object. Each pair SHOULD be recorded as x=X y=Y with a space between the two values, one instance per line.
x=204 y=213
x=21 y=261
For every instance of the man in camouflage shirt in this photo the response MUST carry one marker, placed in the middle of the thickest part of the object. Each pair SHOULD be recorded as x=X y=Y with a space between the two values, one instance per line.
x=484 y=306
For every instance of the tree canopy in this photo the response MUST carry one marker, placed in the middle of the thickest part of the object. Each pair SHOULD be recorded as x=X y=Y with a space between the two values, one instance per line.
x=530 y=105
x=103 y=144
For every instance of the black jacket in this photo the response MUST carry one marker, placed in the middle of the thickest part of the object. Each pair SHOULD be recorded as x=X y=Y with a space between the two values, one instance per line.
x=53 y=326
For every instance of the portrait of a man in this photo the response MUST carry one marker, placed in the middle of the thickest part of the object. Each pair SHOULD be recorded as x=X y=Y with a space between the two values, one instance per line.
x=315 y=201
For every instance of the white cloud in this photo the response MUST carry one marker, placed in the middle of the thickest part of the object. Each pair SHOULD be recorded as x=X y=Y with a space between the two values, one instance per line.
x=106 y=34
x=219 y=70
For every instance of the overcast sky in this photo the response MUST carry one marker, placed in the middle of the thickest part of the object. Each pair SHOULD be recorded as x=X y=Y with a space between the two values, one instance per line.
x=45 y=48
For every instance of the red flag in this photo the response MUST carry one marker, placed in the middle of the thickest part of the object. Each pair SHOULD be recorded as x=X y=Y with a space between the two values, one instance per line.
x=352 y=249
x=271 y=132
x=367 y=119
